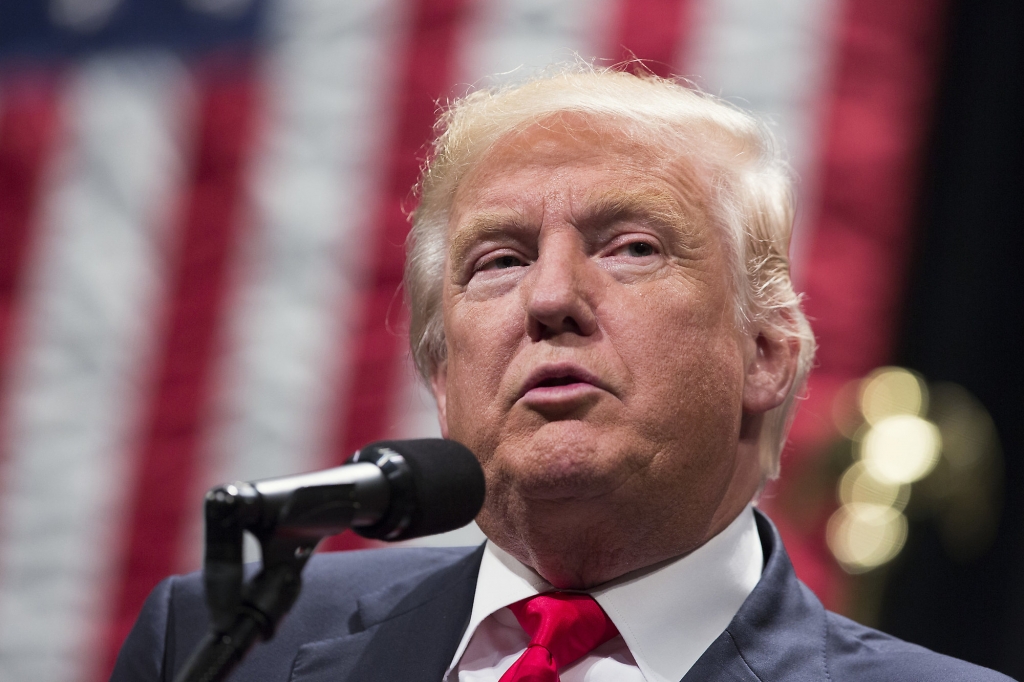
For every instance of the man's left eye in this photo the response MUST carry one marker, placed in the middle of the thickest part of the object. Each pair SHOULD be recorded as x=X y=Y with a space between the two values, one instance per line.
x=636 y=250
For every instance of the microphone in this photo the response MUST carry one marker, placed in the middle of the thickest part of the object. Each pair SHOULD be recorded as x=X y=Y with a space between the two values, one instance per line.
x=388 y=490
x=436 y=486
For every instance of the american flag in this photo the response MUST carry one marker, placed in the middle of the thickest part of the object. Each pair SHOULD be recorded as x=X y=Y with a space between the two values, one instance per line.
x=201 y=229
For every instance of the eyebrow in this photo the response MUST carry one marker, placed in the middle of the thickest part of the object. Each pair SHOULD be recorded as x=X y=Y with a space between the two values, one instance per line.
x=651 y=205
x=483 y=226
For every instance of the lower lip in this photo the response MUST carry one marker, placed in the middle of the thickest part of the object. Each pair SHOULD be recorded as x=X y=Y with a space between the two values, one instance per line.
x=558 y=394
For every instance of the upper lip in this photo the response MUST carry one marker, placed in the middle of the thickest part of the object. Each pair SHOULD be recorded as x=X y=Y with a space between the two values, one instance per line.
x=561 y=370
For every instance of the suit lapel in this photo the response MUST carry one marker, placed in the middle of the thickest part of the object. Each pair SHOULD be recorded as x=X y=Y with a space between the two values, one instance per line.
x=407 y=631
x=722 y=662
x=778 y=634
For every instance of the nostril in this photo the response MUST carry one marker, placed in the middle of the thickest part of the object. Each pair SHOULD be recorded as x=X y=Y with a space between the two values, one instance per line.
x=570 y=324
x=551 y=316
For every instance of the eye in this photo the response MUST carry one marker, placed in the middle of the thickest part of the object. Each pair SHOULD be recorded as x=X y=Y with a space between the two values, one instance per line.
x=636 y=249
x=502 y=263
x=640 y=249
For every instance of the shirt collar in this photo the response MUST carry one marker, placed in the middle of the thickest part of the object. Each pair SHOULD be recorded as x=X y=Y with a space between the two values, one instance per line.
x=667 y=614
x=502 y=580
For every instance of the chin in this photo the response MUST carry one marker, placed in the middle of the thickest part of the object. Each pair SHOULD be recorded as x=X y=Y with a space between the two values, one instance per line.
x=564 y=460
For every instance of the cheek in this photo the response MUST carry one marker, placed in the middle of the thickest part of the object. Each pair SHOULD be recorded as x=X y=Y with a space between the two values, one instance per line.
x=685 y=359
x=481 y=340
x=482 y=335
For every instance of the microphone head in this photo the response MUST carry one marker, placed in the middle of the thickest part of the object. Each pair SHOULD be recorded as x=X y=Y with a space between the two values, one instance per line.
x=441 y=489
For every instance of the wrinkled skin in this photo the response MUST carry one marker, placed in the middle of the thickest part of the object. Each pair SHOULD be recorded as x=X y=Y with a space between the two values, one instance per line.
x=593 y=360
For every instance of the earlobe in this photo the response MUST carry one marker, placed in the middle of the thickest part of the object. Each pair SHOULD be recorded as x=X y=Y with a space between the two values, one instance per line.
x=439 y=387
x=771 y=368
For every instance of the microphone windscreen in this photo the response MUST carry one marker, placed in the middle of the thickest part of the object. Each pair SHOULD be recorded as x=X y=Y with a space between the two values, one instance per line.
x=447 y=485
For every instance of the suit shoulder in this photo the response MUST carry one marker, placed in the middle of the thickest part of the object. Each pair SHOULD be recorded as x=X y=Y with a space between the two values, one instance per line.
x=175 y=616
x=338 y=574
x=364 y=571
x=857 y=652
x=395 y=560
x=142 y=654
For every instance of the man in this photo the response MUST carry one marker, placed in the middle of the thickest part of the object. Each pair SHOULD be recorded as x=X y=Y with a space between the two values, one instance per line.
x=601 y=303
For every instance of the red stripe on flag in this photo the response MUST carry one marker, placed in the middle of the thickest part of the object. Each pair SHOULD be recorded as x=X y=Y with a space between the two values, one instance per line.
x=652 y=30
x=874 y=147
x=28 y=118
x=426 y=76
x=208 y=232
x=861 y=241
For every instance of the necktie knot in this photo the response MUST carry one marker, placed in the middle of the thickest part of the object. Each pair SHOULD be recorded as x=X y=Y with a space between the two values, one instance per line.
x=563 y=627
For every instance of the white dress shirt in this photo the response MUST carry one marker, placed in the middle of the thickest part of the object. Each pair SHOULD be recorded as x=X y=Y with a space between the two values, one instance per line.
x=667 y=615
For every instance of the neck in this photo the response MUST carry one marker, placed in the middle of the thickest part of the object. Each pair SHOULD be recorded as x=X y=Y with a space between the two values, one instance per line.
x=581 y=543
x=573 y=548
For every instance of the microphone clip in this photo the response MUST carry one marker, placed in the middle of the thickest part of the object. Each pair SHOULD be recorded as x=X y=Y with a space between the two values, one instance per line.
x=230 y=510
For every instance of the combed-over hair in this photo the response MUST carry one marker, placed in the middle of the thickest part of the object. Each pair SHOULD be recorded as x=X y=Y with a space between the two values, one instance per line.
x=746 y=188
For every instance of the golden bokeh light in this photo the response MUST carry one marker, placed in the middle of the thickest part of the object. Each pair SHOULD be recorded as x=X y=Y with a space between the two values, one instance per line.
x=901 y=449
x=903 y=435
x=863 y=536
x=858 y=486
x=891 y=391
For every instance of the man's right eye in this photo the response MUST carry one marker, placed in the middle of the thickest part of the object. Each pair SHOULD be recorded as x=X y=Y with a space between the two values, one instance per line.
x=502 y=263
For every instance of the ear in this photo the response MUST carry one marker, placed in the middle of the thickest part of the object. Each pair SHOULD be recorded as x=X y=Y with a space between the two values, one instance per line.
x=770 y=370
x=439 y=387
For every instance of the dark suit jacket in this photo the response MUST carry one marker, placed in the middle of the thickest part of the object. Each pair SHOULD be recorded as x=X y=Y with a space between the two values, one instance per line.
x=398 y=615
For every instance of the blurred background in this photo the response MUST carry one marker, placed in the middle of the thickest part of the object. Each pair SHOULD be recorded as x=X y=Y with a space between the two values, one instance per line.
x=201 y=227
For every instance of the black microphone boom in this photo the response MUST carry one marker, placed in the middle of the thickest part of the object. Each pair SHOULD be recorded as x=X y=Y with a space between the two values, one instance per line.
x=389 y=490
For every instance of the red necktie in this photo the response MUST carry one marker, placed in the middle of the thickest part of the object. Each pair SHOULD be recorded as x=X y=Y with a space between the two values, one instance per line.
x=563 y=627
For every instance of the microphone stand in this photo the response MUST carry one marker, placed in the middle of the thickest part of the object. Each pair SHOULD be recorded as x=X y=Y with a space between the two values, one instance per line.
x=289 y=523
x=240 y=615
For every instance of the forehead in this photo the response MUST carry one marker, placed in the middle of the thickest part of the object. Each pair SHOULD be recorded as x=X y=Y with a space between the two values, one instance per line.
x=556 y=144
x=582 y=161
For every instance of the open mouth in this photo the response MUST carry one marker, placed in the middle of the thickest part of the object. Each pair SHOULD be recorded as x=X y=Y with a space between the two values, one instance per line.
x=567 y=376
x=560 y=381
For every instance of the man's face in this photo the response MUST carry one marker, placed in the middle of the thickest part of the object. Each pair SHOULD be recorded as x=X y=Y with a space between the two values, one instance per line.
x=594 y=365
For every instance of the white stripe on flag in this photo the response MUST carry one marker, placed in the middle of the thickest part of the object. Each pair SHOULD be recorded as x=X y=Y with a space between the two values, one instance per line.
x=327 y=82
x=774 y=57
x=74 y=390
x=516 y=37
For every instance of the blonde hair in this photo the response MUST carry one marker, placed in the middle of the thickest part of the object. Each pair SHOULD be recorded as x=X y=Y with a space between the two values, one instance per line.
x=746 y=188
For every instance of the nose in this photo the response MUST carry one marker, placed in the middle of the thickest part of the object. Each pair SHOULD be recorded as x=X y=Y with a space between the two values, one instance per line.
x=559 y=292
